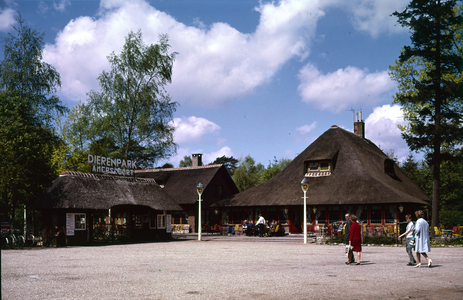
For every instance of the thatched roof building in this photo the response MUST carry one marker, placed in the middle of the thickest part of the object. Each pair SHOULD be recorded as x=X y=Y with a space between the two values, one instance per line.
x=92 y=191
x=347 y=174
x=358 y=172
x=181 y=183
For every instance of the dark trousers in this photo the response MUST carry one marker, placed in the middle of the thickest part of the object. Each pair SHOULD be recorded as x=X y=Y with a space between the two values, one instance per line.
x=410 y=252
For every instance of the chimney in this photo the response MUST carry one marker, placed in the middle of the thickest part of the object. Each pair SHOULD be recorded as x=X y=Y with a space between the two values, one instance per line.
x=359 y=125
x=197 y=159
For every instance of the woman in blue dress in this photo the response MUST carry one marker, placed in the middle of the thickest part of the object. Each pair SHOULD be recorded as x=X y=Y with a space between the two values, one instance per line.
x=422 y=244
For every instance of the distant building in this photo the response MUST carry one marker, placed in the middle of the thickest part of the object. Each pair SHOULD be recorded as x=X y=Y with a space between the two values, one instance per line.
x=181 y=183
x=93 y=208
x=347 y=174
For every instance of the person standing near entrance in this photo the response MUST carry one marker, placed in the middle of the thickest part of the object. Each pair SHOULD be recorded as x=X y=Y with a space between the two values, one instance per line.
x=260 y=224
x=409 y=234
x=350 y=255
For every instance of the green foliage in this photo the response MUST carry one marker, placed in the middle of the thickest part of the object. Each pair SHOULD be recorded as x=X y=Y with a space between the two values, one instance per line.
x=185 y=162
x=273 y=168
x=228 y=162
x=28 y=107
x=24 y=73
x=26 y=146
x=247 y=174
x=379 y=240
x=131 y=114
x=429 y=74
x=451 y=187
x=451 y=218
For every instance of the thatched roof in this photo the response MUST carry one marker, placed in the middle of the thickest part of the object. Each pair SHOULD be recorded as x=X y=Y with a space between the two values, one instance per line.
x=357 y=177
x=181 y=183
x=90 y=191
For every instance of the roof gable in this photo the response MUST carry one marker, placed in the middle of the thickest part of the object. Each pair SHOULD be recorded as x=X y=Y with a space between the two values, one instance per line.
x=358 y=177
x=181 y=183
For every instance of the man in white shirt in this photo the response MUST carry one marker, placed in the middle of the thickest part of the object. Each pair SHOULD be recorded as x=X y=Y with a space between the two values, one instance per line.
x=260 y=224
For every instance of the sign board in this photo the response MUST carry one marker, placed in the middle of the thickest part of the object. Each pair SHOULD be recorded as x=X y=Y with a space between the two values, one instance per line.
x=70 y=225
x=169 y=223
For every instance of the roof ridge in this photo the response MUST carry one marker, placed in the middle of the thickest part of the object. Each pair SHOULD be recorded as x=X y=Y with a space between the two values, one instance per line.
x=179 y=169
x=105 y=177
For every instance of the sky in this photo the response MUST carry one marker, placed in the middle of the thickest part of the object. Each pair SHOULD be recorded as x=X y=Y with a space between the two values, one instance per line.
x=258 y=78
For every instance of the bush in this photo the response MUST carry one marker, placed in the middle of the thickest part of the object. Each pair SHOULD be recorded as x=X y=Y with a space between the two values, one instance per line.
x=451 y=218
x=378 y=240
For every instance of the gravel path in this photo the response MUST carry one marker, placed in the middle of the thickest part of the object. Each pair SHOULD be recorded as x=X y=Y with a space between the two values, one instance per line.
x=226 y=269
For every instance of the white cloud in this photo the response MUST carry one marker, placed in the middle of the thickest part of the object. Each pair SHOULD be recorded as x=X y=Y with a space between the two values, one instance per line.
x=6 y=19
x=381 y=128
x=210 y=157
x=192 y=130
x=214 y=65
x=374 y=17
x=207 y=157
x=344 y=88
x=307 y=128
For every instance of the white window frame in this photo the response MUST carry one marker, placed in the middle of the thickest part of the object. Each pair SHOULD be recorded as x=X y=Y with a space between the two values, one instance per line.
x=161 y=221
x=76 y=227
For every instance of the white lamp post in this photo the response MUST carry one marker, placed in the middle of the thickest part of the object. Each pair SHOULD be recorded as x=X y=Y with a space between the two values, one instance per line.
x=305 y=187
x=199 y=189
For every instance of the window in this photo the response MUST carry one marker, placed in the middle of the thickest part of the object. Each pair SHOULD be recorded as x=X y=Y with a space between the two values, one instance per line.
x=333 y=214
x=236 y=216
x=225 y=216
x=161 y=221
x=80 y=222
x=322 y=166
x=283 y=215
x=389 y=167
x=152 y=221
x=390 y=214
x=137 y=221
x=313 y=167
x=176 y=216
x=184 y=218
x=321 y=215
x=376 y=214
x=362 y=213
x=271 y=214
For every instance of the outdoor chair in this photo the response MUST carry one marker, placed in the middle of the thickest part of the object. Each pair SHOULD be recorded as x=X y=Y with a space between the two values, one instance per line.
x=390 y=230
x=459 y=231
x=437 y=232
x=237 y=229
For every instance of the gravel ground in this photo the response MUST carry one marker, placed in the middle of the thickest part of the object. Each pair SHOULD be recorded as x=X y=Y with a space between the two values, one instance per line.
x=227 y=268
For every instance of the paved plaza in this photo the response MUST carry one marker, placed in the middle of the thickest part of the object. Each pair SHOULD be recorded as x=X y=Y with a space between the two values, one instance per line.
x=227 y=268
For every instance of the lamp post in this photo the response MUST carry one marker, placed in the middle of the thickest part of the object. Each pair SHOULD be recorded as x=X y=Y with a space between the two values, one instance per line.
x=305 y=187
x=199 y=189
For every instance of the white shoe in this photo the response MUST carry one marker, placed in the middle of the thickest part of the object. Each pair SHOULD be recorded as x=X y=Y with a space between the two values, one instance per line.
x=429 y=263
x=417 y=266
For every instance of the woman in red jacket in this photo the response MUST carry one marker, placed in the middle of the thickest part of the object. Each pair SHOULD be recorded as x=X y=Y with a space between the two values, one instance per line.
x=355 y=239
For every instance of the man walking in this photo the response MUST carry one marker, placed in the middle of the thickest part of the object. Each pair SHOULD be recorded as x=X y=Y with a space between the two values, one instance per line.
x=350 y=254
x=260 y=224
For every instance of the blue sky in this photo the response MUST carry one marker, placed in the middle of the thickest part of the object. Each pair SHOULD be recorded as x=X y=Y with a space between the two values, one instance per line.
x=252 y=78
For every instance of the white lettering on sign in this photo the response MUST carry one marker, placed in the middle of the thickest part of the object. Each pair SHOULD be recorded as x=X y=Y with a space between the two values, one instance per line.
x=103 y=164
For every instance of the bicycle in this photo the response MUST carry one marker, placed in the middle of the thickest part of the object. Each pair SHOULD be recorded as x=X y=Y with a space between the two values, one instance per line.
x=30 y=240
x=5 y=244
